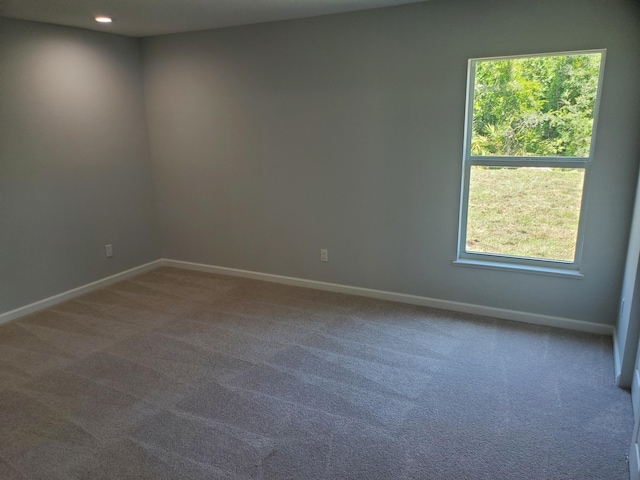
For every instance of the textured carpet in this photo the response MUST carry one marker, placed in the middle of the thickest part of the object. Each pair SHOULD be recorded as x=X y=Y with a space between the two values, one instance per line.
x=178 y=374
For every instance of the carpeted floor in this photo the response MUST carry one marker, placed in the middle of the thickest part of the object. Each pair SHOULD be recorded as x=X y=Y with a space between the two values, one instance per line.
x=178 y=374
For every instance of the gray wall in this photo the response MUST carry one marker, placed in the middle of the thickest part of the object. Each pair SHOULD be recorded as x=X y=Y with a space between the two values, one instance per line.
x=345 y=132
x=74 y=160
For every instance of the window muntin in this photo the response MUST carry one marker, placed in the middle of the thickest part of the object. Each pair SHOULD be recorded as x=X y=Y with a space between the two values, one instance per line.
x=529 y=129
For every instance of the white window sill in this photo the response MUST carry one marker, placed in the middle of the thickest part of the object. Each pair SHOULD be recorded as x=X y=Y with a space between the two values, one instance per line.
x=557 y=272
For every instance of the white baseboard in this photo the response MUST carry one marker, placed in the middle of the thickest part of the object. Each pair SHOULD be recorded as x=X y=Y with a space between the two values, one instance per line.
x=635 y=394
x=68 y=295
x=623 y=371
x=533 y=318
x=617 y=361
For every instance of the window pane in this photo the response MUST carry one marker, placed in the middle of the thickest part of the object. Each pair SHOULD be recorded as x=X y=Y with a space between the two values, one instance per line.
x=525 y=211
x=536 y=106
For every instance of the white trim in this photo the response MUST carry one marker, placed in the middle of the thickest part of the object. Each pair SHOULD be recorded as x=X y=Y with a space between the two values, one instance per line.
x=617 y=361
x=514 y=315
x=469 y=160
x=69 y=294
x=627 y=325
x=548 y=54
x=525 y=317
x=635 y=394
x=558 y=272
x=634 y=461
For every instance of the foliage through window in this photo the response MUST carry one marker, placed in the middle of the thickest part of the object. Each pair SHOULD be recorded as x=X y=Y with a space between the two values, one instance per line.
x=529 y=141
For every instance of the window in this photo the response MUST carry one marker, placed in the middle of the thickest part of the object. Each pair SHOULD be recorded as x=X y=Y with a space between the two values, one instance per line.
x=529 y=132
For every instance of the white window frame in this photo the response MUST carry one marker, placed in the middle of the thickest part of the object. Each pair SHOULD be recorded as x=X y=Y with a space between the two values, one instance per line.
x=501 y=261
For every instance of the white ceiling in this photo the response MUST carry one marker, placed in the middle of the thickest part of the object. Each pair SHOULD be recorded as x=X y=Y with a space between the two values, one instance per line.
x=141 y=18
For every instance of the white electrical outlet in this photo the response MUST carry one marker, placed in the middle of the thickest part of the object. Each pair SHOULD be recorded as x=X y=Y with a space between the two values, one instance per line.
x=324 y=255
x=109 y=250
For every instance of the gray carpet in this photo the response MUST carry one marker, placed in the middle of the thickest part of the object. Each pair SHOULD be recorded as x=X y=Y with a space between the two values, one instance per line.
x=178 y=374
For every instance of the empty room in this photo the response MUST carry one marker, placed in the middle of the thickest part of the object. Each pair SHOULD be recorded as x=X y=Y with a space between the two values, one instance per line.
x=319 y=239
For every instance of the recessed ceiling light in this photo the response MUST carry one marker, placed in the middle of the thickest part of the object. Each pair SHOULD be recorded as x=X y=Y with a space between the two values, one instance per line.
x=104 y=19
